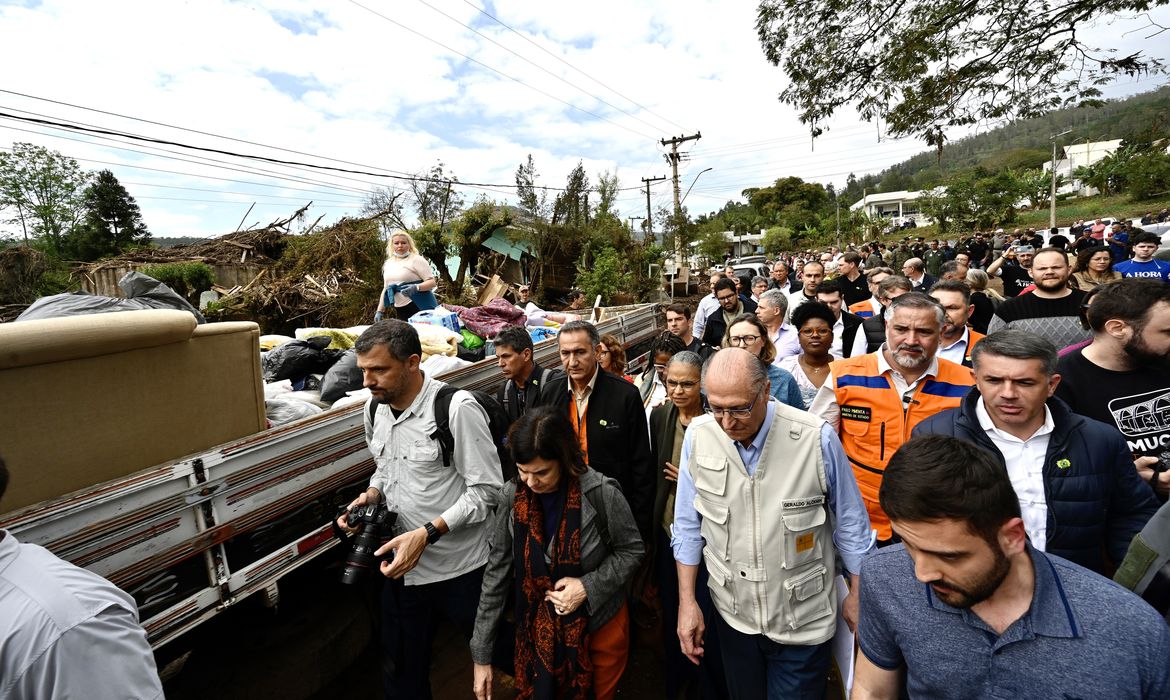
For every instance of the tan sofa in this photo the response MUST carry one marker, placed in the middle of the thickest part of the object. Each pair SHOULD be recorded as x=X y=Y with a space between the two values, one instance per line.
x=86 y=399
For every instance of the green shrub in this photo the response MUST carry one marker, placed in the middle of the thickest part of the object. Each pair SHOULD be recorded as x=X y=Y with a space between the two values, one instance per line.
x=188 y=279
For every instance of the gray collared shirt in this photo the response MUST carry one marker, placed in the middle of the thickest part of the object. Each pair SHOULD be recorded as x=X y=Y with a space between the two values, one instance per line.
x=1082 y=637
x=411 y=476
x=67 y=633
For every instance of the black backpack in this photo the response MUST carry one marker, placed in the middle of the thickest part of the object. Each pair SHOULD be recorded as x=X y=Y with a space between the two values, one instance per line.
x=497 y=426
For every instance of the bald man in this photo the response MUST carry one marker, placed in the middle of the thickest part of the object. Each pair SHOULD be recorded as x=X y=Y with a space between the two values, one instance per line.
x=751 y=443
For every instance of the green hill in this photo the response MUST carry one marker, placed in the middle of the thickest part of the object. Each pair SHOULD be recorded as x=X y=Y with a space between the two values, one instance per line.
x=1024 y=144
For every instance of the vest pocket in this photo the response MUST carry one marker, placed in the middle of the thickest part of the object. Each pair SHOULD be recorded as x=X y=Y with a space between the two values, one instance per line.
x=719 y=583
x=714 y=527
x=808 y=597
x=711 y=475
x=803 y=534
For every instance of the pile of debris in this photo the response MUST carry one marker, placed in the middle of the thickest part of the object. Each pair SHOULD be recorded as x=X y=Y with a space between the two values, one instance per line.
x=327 y=277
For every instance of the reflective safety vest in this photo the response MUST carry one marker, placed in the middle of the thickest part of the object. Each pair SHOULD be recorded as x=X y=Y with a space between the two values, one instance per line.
x=873 y=424
x=973 y=337
x=865 y=308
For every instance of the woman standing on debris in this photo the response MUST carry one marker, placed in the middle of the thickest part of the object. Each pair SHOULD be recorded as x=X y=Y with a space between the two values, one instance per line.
x=406 y=279
x=565 y=540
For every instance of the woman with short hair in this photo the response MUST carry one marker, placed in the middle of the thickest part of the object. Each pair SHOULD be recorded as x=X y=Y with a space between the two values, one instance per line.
x=564 y=537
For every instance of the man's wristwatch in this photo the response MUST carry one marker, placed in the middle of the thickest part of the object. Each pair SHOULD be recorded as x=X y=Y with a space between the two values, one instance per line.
x=433 y=533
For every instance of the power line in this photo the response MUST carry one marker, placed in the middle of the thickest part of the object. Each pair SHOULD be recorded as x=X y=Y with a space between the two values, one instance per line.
x=227 y=192
x=540 y=67
x=497 y=71
x=570 y=65
x=397 y=174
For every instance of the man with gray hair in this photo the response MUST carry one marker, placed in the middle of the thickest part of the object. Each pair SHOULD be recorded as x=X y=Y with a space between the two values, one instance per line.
x=1079 y=494
x=754 y=470
x=875 y=400
x=773 y=312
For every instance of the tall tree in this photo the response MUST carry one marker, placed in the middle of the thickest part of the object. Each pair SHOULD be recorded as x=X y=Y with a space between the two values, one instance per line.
x=569 y=207
x=531 y=201
x=434 y=195
x=43 y=190
x=112 y=222
x=385 y=203
x=924 y=66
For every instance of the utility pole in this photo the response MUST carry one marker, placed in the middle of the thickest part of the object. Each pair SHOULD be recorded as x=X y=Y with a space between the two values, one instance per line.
x=673 y=158
x=649 y=214
x=1052 y=197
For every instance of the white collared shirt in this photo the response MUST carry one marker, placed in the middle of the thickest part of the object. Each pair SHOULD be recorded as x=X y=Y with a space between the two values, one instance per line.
x=957 y=351
x=1025 y=466
x=836 y=349
x=582 y=399
x=825 y=407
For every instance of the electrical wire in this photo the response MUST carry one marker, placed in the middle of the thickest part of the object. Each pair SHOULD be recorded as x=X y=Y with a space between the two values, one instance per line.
x=497 y=71
x=497 y=20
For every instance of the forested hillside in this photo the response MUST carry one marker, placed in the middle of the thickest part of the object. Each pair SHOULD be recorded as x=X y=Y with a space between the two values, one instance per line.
x=1024 y=144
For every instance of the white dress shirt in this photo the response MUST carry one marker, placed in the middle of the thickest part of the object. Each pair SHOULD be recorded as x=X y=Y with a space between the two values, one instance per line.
x=957 y=351
x=706 y=305
x=1025 y=466
x=859 y=343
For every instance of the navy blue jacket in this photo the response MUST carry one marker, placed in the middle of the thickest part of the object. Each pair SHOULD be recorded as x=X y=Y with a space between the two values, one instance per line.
x=1096 y=501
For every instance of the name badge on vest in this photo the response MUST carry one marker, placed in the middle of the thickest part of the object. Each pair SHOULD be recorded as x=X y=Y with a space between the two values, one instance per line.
x=796 y=503
x=857 y=413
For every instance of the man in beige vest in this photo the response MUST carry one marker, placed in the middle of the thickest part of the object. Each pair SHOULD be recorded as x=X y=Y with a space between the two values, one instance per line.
x=766 y=500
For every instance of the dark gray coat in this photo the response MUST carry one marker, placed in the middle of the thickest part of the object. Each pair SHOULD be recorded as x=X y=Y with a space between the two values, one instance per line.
x=607 y=572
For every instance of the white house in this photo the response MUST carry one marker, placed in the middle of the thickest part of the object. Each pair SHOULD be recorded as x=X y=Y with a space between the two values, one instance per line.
x=1081 y=155
x=898 y=206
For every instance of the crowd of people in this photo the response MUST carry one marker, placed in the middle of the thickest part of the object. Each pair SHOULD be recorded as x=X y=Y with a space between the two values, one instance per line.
x=870 y=434
x=874 y=436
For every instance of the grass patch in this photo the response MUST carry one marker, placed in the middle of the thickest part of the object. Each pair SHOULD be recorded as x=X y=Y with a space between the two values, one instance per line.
x=1067 y=212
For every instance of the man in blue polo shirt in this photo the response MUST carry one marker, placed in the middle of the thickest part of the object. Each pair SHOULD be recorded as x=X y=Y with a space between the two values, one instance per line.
x=1143 y=263
x=967 y=608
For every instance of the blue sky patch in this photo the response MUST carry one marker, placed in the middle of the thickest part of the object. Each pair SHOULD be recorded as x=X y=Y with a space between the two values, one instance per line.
x=294 y=86
x=296 y=23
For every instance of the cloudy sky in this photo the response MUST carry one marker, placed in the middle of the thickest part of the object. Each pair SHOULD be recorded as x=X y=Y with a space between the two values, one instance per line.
x=393 y=86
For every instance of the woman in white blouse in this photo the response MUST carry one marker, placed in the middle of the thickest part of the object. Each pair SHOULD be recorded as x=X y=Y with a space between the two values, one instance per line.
x=406 y=278
x=813 y=322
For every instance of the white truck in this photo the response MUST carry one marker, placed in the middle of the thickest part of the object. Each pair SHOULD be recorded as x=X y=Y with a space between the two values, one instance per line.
x=196 y=534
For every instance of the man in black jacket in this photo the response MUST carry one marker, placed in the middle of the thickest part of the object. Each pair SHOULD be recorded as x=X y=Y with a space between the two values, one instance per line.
x=523 y=378
x=1079 y=494
x=730 y=306
x=607 y=415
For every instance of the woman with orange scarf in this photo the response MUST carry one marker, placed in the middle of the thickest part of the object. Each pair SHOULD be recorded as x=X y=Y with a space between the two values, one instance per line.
x=566 y=539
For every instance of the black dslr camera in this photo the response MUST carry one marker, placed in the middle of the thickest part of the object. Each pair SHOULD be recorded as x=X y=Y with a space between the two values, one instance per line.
x=374 y=523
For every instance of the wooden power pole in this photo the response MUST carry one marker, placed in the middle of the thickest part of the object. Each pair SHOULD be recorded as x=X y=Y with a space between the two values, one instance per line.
x=673 y=158
x=649 y=214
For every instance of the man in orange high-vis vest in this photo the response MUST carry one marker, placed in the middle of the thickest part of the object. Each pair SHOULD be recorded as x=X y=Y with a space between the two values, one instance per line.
x=875 y=400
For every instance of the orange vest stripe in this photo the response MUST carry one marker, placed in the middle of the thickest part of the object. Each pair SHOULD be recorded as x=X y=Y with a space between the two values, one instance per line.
x=873 y=424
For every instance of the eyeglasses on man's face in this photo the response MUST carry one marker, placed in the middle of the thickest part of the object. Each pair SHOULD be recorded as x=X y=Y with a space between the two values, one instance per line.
x=736 y=413
x=743 y=339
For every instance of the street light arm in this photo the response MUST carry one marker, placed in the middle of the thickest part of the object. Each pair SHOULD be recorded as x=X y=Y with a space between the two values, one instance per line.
x=693 y=185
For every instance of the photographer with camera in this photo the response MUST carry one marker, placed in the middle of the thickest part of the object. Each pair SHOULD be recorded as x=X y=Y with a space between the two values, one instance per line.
x=563 y=545
x=439 y=546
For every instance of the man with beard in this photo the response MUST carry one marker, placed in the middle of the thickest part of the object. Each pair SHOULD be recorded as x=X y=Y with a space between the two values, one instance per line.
x=1052 y=310
x=957 y=338
x=731 y=305
x=1014 y=268
x=875 y=400
x=968 y=608
x=1123 y=377
x=441 y=544
x=706 y=305
x=1079 y=494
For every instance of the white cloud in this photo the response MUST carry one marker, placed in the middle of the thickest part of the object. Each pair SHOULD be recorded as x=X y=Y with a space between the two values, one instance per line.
x=339 y=81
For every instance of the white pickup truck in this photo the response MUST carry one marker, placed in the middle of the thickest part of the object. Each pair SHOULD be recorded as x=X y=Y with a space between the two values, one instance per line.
x=194 y=534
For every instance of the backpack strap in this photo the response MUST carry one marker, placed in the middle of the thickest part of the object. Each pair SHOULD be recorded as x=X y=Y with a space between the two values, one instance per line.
x=443 y=423
x=372 y=408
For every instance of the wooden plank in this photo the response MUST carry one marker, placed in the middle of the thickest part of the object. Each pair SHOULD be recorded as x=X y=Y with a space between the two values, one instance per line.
x=494 y=289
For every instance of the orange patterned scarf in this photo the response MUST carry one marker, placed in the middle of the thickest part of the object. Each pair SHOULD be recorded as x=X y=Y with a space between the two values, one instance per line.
x=552 y=651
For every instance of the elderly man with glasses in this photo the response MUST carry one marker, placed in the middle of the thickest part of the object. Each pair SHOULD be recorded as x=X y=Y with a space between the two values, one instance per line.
x=756 y=471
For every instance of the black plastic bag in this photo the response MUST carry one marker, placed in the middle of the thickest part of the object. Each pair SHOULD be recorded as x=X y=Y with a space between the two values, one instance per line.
x=297 y=358
x=142 y=292
x=343 y=377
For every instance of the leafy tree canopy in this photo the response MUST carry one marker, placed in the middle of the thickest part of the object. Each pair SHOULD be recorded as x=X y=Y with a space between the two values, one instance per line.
x=925 y=66
x=41 y=191
x=112 y=222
